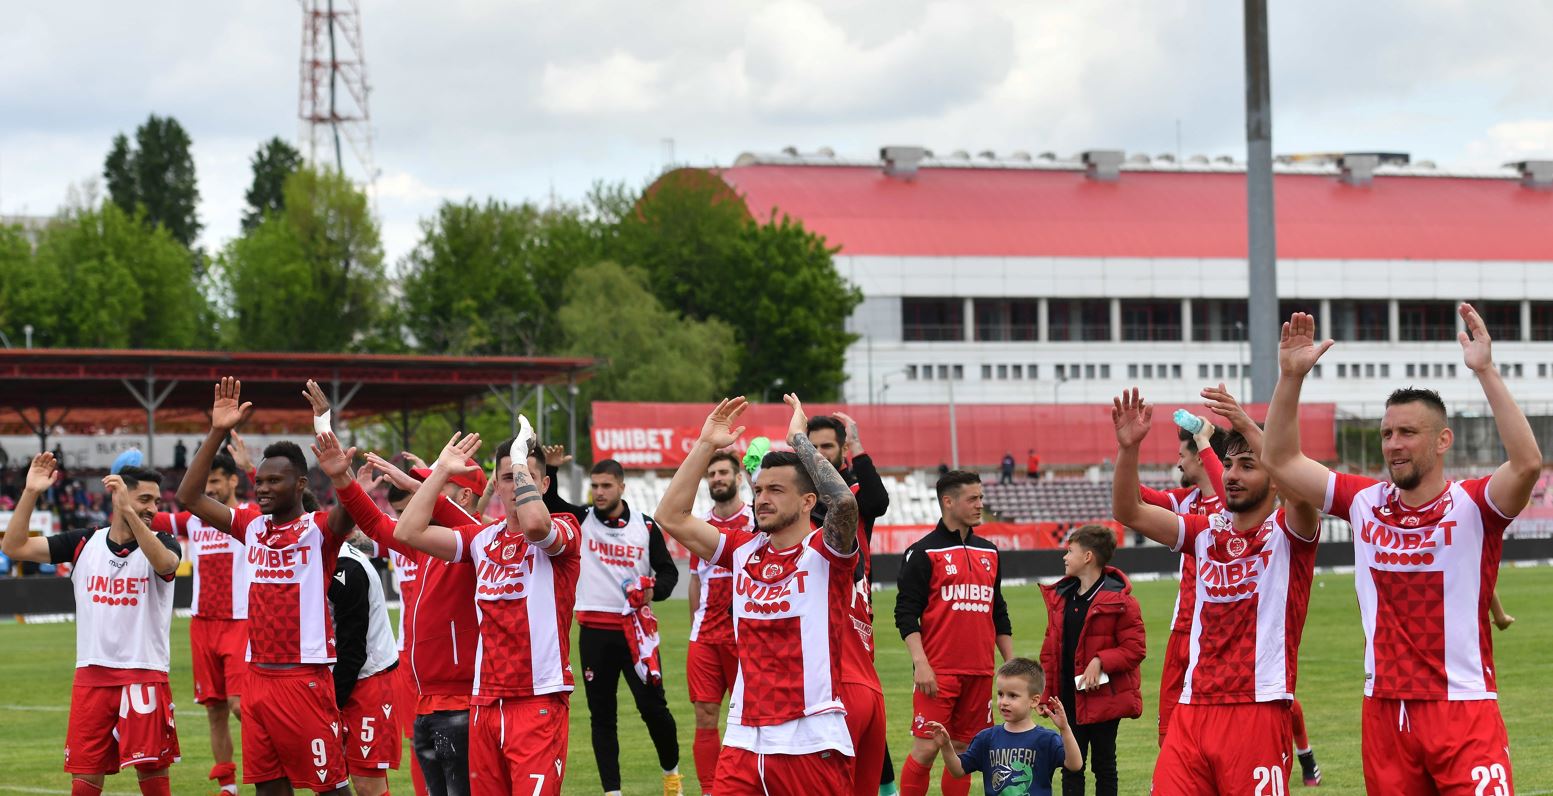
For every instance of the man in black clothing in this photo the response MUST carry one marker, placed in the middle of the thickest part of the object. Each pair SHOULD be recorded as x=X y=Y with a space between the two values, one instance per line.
x=622 y=551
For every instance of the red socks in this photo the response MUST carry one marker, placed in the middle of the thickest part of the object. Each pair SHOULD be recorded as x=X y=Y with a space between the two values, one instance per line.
x=954 y=786
x=80 y=787
x=156 y=786
x=225 y=775
x=1301 y=739
x=705 y=749
x=914 y=777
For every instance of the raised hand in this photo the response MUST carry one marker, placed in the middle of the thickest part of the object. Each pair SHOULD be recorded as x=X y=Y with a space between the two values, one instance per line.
x=40 y=476
x=334 y=461
x=229 y=411
x=521 y=444
x=718 y=430
x=1056 y=713
x=799 y=424
x=316 y=398
x=1224 y=405
x=240 y=456
x=119 y=493
x=854 y=439
x=1476 y=345
x=369 y=477
x=415 y=461
x=1131 y=415
x=395 y=476
x=555 y=456
x=455 y=455
x=1297 y=346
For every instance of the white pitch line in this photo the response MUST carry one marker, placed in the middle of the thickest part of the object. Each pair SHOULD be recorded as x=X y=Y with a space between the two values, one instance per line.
x=36 y=709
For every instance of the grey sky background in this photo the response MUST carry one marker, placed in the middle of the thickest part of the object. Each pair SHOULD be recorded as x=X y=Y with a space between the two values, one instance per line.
x=519 y=99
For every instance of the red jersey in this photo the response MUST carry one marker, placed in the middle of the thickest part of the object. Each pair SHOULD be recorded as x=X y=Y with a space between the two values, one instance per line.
x=217 y=560
x=857 y=648
x=1189 y=500
x=1424 y=577
x=289 y=567
x=524 y=597
x=713 y=621
x=1253 y=589
x=950 y=591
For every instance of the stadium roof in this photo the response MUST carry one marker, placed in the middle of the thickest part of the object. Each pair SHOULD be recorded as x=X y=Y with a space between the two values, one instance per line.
x=1048 y=207
x=89 y=390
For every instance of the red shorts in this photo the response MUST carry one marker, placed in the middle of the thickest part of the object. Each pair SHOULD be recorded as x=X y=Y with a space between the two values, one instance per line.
x=372 y=737
x=963 y=705
x=1172 y=678
x=113 y=727
x=218 y=647
x=710 y=670
x=291 y=728
x=518 y=745
x=865 y=722
x=1242 y=748
x=1435 y=747
x=406 y=696
x=741 y=772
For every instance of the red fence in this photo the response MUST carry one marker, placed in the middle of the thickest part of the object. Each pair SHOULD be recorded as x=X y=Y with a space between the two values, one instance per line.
x=648 y=436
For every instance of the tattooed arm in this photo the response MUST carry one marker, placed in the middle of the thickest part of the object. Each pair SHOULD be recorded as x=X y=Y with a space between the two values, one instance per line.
x=840 y=504
x=528 y=512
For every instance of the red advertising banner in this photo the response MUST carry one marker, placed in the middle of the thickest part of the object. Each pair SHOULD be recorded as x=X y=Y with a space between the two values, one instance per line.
x=650 y=436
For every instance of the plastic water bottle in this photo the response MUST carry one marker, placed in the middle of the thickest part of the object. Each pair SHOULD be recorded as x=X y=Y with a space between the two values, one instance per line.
x=1186 y=420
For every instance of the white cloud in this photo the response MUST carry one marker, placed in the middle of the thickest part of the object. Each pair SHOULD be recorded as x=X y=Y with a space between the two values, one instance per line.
x=620 y=83
x=1507 y=142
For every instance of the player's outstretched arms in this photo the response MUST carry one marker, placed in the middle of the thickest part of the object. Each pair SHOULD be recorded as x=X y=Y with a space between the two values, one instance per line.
x=18 y=544
x=674 y=512
x=528 y=511
x=415 y=528
x=1131 y=416
x=1298 y=476
x=840 y=504
x=227 y=412
x=1511 y=485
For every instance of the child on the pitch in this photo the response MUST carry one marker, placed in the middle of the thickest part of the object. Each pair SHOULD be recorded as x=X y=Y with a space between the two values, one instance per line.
x=1093 y=647
x=1019 y=756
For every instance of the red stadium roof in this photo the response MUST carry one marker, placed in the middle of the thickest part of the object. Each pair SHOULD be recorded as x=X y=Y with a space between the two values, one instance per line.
x=988 y=212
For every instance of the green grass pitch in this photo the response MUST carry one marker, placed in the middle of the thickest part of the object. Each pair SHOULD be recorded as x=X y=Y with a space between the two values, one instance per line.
x=36 y=661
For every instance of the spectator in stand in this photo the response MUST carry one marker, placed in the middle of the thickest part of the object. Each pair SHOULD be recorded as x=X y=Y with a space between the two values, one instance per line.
x=1033 y=466
x=180 y=456
x=1006 y=469
x=5 y=461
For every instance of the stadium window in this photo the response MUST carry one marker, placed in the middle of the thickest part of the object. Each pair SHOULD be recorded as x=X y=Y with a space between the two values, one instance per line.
x=1542 y=321
x=959 y=372
x=1062 y=373
x=1439 y=371
x=1316 y=371
x=1132 y=371
x=1151 y=319
x=1078 y=320
x=1426 y=321
x=911 y=373
x=1358 y=321
x=1202 y=370
x=1520 y=370
x=1003 y=372
x=1369 y=370
x=1503 y=318
x=986 y=372
x=1218 y=320
x=1542 y=370
x=1385 y=370
x=1073 y=371
x=1451 y=370
x=1148 y=370
x=1504 y=370
x=1018 y=371
x=1089 y=371
x=1410 y=370
x=1034 y=371
x=1175 y=371
x=1232 y=370
x=1000 y=320
x=1105 y=371
x=931 y=319
x=1218 y=370
x=927 y=372
x=1342 y=370
x=1311 y=307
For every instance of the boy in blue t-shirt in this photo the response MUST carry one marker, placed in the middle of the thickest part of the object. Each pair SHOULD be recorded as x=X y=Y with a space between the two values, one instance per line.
x=1018 y=758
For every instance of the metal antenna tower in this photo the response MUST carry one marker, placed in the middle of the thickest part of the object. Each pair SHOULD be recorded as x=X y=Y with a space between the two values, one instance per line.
x=332 y=95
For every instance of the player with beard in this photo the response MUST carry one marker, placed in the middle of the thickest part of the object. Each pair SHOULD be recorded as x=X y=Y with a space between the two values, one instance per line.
x=1231 y=733
x=1426 y=552
x=787 y=729
x=218 y=631
x=121 y=710
x=291 y=725
x=619 y=548
x=712 y=659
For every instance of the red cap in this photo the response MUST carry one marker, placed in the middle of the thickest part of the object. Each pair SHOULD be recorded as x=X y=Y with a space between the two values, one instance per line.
x=474 y=480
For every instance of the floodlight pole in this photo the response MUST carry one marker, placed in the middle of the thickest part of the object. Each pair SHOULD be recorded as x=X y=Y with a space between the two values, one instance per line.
x=1262 y=307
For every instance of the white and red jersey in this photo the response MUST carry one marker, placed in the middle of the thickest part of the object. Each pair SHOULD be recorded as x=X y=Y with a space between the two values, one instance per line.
x=289 y=567
x=790 y=619
x=220 y=574
x=124 y=609
x=1253 y=590
x=613 y=554
x=405 y=570
x=857 y=646
x=1424 y=577
x=524 y=598
x=1185 y=500
x=713 y=620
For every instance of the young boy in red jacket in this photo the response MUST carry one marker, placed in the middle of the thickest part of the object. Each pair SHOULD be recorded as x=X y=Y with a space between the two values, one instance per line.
x=1094 y=645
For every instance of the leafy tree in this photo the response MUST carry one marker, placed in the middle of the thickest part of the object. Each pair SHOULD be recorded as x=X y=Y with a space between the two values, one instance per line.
x=650 y=353
x=158 y=174
x=274 y=161
x=15 y=263
x=309 y=278
x=101 y=278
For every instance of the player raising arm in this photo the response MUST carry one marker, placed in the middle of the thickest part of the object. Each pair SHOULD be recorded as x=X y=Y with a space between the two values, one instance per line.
x=1426 y=554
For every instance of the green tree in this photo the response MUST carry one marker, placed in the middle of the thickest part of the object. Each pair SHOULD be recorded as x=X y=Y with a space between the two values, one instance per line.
x=309 y=278
x=101 y=278
x=157 y=174
x=488 y=278
x=649 y=353
x=274 y=161
x=15 y=263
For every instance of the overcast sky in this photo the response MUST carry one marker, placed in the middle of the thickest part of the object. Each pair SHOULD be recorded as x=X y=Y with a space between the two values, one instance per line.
x=521 y=100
